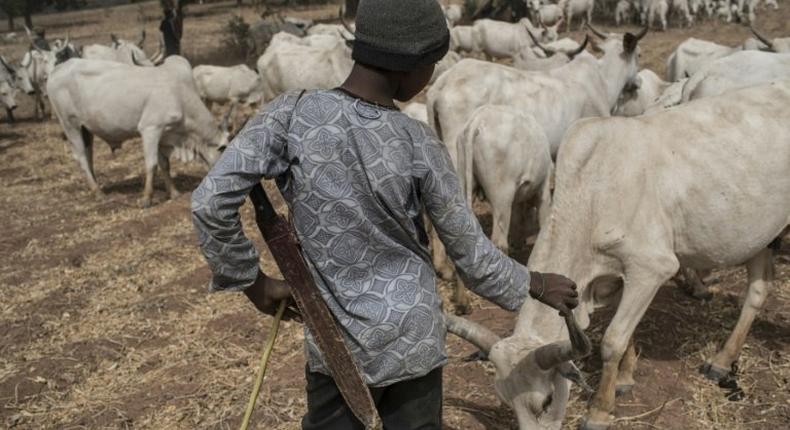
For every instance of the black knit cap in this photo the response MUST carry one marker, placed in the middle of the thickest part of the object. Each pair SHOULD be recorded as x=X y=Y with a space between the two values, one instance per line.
x=400 y=35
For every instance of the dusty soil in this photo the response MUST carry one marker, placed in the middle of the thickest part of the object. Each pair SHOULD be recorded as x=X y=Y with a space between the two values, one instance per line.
x=106 y=322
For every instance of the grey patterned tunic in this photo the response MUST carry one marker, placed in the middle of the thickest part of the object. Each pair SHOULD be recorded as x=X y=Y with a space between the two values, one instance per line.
x=357 y=179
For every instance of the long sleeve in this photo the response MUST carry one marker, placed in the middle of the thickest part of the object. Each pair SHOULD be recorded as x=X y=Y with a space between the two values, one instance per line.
x=484 y=269
x=259 y=151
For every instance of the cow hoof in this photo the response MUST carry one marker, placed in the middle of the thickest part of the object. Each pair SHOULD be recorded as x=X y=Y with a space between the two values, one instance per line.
x=463 y=309
x=592 y=425
x=714 y=373
x=623 y=389
x=702 y=296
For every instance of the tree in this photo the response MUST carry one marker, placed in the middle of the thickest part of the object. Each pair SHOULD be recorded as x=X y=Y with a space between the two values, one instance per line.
x=26 y=8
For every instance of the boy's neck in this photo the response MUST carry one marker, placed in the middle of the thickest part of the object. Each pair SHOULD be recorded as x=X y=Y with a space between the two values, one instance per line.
x=371 y=84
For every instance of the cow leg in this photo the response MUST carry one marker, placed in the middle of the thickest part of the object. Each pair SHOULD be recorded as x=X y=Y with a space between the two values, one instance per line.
x=641 y=285
x=691 y=280
x=151 y=138
x=760 y=271
x=502 y=207
x=440 y=261
x=82 y=150
x=164 y=167
x=625 y=374
x=9 y=116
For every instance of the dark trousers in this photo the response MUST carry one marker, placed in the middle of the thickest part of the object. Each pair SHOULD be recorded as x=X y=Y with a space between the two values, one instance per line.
x=408 y=405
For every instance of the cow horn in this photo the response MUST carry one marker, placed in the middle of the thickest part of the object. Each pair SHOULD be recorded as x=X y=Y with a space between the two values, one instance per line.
x=553 y=354
x=596 y=32
x=472 y=332
x=29 y=35
x=641 y=33
x=142 y=39
x=6 y=65
x=549 y=52
x=345 y=24
x=159 y=57
x=760 y=37
x=572 y=55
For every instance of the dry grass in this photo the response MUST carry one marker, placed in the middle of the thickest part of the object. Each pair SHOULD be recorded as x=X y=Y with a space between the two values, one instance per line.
x=107 y=323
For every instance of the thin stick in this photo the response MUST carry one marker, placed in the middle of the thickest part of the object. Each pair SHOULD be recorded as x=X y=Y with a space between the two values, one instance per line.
x=264 y=362
x=636 y=417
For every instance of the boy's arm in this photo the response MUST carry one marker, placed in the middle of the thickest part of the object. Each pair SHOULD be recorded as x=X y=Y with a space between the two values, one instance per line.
x=483 y=268
x=259 y=151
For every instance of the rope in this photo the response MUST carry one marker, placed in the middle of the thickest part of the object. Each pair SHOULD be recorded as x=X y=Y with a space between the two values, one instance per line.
x=264 y=362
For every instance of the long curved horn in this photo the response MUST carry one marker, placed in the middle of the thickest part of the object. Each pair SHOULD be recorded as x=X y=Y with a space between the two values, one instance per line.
x=641 y=33
x=159 y=57
x=29 y=35
x=548 y=51
x=596 y=31
x=762 y=38
x=553 y=354
x=345 y=24
x=6 y=65
x=479 y=336
x=572 y=55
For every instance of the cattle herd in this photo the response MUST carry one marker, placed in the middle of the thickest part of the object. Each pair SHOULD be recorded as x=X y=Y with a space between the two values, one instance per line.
x=626 y=178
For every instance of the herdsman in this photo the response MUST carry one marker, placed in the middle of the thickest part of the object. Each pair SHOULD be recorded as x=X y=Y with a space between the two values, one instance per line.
x=358 y=175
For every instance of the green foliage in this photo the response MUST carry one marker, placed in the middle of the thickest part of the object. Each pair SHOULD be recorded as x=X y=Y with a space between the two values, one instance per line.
x=238 y=37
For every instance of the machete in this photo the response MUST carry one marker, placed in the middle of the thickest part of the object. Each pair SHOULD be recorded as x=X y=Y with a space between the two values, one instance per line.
x=282 y=242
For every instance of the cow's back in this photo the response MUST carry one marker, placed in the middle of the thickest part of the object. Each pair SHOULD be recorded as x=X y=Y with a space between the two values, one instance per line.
x=714 y=174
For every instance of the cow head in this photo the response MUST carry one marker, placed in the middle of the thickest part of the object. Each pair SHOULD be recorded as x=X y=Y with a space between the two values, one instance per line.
x=620 y=60
x=550 y=32
x=532 y=378
x=7 y=96
x=19 y=77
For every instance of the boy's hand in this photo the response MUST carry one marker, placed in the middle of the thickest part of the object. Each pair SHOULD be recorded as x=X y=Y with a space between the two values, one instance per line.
x=267 y=293
x=554 y=290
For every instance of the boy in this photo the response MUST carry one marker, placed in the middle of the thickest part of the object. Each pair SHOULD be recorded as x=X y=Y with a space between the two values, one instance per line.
x=358 y=175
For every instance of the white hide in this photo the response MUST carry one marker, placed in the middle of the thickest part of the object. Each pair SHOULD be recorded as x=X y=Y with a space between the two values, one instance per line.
x=117 y=102
x=237 y=84
x=739 y=70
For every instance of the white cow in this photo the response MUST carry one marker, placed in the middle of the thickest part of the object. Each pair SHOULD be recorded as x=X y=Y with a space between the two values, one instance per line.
x=779 y=44
x=691 y=55
x=657 y=9
x=550 y=14
x=160 y=104
x=234 y=85
x=417 y=111
x=453 y=13
x=584 y=87
x=291 y=65
x=39 y=65
x=741 y=69
x=626 y=216
x=449 y=60
x=498 y=39
x=550 y=59
x=462 y=39
x=13 y=79
x=636 y=99
x=508 y=153
x=122 y=51
x=331 y=30
x=623 y=12
x=572 y=8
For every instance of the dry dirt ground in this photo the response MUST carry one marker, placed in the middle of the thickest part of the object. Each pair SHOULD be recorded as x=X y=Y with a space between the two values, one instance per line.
x=106 y=322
